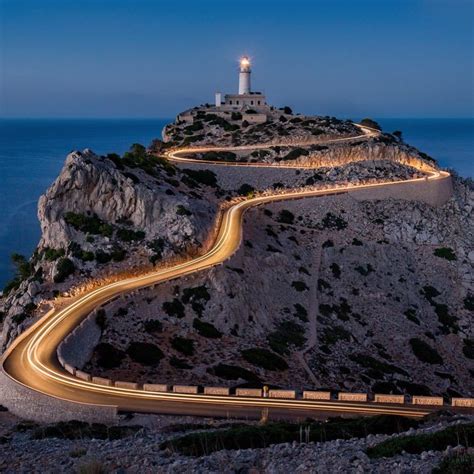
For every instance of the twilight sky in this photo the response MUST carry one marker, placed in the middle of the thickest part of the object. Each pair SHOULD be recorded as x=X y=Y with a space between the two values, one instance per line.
x=154 y=58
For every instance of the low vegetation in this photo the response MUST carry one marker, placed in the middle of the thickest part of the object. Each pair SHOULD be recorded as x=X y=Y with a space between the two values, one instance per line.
x=145 y=353
x=206 y=329
x=264 y=358
x=233 y=372
x=183 y=345
x=287 y=334
x=416 y=444
x=424 y=352
x=261 y=436
x=445 y=252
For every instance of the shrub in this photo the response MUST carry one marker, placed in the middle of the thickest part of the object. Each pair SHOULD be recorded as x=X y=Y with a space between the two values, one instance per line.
x=411 y=315
x=287 y=333
x=88 y=224
x=233 y=372
x=145 y=353
x=331 y=335
x=370 y=123
x=445 y=252
x=153 y=325
x=64 y=268
x=469 y=302
x=206 y=329
x=301 y=312
x=129 y=235
x=331 y=221
x=264 y=358
x=294 y=154
x=183 y=345
x=336 y=270
x=174 y=308
x=286 y=217
x=108 y=356
x=51 y=254
x=424 y=352
x=370 y=362
x=182 y=211
x=456 y=463
x=197 y=293
x=245 y=190
x=468 y=348
x=299 y=285
x=260 y=436
x=416 y=444
x=179 y=363
x=364 y=271
x=23 y=270
x=102 y=257
x=79 y=430
x=206 y=177
x=287 y=110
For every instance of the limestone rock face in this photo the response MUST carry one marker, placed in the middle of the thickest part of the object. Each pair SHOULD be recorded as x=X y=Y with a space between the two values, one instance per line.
x=93 y=185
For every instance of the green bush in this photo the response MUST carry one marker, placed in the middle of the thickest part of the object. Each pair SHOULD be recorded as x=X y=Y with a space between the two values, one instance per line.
x=333 y=334
x=370 y=123
x=410 y=313
x=294 y=154
x=206 y=329
x=456 y=463
x=145 y=353
x=80 y=430
x=299 y=285
x=333 y=222
x=23 y=270
x=416 y=444
x=153 y=325
x=197 y=293
x=261 y=436
x=179 y=363
x=286 y=217
x=301 y=312
x=183 y=345
x=65 y=267
x=108 y=356
x=88 y=224
x=182 y=211
x=336 y=270
x=287 y=333
x=174 y=308
x=468 y=348
x=52 y=254
x=206 y=177
x=445 y=252
x=245 y=190
x=424 y=352
x=130 y=235
x=370 y=362
x=469 y=302
x=264 y=358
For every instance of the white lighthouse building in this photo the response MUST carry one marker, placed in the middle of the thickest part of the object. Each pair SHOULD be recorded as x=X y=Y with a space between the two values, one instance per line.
x=244 y=76
x=246 y=98
x=249 y=105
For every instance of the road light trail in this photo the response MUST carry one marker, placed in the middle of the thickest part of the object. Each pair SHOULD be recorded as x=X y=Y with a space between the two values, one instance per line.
x=32 y=361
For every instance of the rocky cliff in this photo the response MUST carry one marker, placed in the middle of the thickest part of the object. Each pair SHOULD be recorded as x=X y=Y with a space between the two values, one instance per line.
x=106 y=215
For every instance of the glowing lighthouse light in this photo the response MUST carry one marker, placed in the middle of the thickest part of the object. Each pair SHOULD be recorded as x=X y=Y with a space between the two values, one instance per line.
x=244 y=75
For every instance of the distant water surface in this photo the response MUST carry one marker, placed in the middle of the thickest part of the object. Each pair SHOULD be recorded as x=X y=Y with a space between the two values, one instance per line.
x=32 y=153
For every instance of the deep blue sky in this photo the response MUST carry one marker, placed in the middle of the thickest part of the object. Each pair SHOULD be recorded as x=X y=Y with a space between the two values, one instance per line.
x=138 y=58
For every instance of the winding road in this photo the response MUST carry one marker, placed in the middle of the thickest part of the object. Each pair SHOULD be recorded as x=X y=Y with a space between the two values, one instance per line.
x=32 y=359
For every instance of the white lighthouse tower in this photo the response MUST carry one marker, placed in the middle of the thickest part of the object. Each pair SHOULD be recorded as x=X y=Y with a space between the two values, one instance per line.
x=244 y=76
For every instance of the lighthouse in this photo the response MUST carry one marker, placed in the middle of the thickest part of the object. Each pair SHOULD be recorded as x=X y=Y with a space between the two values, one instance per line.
x=244 y=76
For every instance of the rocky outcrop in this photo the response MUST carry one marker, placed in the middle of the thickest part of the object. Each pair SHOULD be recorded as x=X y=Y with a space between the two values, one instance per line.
x=104 y=215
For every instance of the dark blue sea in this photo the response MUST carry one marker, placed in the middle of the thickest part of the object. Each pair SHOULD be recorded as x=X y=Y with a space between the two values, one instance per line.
x=32 y=153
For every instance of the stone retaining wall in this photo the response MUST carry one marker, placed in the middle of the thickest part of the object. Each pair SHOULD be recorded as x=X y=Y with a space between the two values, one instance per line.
x=77 y=347
x=433 y=192
x=32 y=405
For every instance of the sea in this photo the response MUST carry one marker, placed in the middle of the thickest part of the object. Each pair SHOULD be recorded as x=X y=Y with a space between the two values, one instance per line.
x=32 y=153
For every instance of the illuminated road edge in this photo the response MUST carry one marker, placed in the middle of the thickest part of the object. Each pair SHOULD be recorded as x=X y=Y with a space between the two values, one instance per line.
x=32 y=362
